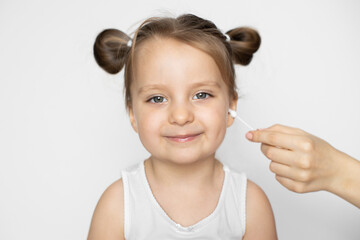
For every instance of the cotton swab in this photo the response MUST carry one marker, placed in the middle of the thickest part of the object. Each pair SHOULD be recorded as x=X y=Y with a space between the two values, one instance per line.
x=234 y=115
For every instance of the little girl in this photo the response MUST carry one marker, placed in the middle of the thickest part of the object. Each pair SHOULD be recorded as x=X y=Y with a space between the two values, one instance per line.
x=179 y=85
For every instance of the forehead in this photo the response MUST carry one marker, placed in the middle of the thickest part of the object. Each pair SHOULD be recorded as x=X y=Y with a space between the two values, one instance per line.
x=171 y=62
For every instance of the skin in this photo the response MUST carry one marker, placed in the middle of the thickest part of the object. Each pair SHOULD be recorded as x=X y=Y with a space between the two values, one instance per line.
x=305 y=163
x=188 y=96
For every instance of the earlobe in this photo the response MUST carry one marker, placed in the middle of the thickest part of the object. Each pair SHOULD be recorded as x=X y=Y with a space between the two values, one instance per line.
x=132 y=119
x=230 y=120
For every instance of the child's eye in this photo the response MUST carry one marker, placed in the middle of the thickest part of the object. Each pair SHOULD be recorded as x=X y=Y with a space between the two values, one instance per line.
x=156 y=99
x=202 y=95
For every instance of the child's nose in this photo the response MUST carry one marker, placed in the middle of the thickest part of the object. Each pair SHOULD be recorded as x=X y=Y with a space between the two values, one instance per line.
x=181 y=114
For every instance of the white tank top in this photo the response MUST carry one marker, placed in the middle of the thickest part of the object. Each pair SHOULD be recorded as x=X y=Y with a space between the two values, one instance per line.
x=145 y=219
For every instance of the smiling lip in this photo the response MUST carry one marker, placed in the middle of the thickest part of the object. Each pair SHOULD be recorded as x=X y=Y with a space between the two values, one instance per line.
x=183 y=138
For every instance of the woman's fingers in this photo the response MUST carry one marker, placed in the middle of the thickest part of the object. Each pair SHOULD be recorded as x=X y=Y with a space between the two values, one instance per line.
x=279 y=155
x=285 y=163
x=298 y=187
x=277 y=139
x=301 y=160
x=281 y=170
x=285 y=129
x=294 y=173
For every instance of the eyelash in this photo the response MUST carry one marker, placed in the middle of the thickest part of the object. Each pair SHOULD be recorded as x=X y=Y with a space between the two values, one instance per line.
x=209 y=95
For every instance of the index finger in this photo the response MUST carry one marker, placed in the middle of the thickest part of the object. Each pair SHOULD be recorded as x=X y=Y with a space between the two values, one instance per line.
x=277 y=139
x=285 y=129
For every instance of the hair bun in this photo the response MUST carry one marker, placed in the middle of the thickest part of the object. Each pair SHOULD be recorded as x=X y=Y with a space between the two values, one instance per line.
x=244 y=43
x=111 y=50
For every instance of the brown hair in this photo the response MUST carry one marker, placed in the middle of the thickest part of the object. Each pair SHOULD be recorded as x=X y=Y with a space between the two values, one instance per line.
x=112 y=52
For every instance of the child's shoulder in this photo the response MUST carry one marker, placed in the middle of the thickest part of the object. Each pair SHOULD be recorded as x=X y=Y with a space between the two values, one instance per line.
x=254 y=192
x=259 y=214
x=107 y=221
x=113 y=194
x=255 y=196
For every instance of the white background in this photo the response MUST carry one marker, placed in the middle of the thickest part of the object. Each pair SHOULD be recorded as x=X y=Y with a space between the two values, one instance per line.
x=65 y=135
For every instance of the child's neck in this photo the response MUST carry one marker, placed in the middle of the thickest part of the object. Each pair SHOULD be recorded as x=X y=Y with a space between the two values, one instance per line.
x=199 y=174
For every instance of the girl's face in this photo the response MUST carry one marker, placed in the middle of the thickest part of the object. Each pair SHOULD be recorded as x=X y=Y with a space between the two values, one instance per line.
x=180 y=102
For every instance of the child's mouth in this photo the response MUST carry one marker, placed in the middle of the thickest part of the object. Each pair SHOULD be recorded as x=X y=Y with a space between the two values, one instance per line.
x=183 y=138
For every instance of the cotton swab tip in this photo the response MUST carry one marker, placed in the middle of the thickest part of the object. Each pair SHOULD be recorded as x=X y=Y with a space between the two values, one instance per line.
x=232 y=113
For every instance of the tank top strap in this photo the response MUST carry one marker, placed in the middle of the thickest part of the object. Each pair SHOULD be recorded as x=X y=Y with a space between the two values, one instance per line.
x=239 y=181
x=226 y=168
x=128 y=175
x=243 y=186
x=126 y=203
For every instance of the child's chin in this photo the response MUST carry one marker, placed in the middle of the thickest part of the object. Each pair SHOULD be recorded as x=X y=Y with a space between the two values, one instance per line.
x=185 y=160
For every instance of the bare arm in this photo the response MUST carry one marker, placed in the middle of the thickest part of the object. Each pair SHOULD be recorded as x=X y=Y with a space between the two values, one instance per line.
x=305 y=163
x=260 y=223
x=107 y=222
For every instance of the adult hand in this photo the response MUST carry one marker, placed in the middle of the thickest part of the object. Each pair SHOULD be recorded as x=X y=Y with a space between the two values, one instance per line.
x=305 y=163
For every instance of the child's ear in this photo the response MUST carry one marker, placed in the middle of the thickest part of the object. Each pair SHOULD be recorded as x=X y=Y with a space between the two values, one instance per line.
x=132 y=119
x=233 y=105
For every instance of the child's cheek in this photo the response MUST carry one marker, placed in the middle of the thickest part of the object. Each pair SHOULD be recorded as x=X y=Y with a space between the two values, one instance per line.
x=150 y=123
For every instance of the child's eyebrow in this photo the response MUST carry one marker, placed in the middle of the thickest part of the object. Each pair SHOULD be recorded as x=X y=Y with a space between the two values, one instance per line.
x=195 y=85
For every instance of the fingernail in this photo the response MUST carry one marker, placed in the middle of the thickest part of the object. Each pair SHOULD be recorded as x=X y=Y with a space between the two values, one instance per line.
x=249 y=135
